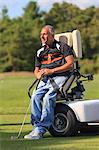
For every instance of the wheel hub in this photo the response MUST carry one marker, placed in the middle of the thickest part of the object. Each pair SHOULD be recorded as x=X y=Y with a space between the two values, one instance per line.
x=60 y=122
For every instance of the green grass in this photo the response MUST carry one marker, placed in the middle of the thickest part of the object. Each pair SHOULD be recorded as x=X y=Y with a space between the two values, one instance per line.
x=14 y=102
x=92 y=88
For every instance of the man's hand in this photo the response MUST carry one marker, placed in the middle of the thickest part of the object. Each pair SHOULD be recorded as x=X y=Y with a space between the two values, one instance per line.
x=48 y=71
x=42 y=72
x=38 y=73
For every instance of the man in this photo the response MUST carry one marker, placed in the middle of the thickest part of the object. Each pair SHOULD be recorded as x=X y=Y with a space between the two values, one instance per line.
x=53 y=60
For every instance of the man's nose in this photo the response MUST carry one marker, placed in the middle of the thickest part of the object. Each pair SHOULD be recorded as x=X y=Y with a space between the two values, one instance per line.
x=42 y=35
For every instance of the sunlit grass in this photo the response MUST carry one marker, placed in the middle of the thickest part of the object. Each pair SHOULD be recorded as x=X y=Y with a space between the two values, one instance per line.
x=14 y=101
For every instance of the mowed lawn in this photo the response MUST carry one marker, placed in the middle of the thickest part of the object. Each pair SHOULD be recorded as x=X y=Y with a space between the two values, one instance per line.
x=14 y=101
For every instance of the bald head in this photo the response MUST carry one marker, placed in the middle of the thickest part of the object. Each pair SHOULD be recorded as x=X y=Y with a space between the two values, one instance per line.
x=47 y=35
x=50 y=29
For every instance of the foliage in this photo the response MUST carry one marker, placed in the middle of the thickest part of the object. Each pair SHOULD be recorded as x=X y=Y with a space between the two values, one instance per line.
x=20 y=37
x=90 y=66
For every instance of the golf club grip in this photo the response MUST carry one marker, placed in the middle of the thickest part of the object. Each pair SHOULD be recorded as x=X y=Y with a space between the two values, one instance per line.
x=31 y=87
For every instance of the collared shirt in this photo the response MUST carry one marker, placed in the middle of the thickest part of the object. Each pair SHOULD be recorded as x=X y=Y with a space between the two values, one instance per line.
x=53 y=56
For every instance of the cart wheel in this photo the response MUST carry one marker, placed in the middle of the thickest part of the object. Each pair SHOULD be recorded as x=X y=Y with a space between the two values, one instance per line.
x=64 y=122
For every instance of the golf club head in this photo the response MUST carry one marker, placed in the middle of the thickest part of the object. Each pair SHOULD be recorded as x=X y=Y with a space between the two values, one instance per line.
x=14 y=137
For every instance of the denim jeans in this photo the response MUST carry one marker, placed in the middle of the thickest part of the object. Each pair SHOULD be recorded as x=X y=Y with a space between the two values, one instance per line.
x=43 y=102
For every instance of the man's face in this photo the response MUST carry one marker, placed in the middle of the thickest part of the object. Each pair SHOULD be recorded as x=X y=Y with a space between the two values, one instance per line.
x=46 y=37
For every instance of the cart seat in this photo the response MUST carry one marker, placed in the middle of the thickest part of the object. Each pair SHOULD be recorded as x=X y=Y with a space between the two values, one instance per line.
x=73 y=39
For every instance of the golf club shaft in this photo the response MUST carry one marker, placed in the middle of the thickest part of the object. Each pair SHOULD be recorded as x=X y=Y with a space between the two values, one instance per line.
x=23 y=121
x=27 y=108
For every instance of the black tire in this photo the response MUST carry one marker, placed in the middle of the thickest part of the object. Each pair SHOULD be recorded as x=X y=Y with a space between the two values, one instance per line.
x=65 y=123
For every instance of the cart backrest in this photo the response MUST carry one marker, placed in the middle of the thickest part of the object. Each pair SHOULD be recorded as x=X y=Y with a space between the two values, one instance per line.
x=73 y=39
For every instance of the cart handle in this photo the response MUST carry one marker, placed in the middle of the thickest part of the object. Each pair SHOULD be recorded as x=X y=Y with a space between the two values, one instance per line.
x=32 y=87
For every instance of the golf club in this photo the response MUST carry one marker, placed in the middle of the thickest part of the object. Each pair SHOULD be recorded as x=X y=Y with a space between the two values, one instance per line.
x=16 y=137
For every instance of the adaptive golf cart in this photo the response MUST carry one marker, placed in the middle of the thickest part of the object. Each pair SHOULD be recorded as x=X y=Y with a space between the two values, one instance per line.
x=72 y=112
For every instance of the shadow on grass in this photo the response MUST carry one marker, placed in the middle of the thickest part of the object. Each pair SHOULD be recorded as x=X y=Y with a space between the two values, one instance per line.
x=47 y=143
x=13 y=124
x=7 y=135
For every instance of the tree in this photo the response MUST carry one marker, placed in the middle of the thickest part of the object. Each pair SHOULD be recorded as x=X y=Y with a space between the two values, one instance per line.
x=31 y=11
x=5 y=22
x=90 y=34
x=4 y=14
x=20 y=37
x=61 y=15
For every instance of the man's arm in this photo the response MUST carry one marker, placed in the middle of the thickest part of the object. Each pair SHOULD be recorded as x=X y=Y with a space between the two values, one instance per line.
x=38 y=72
x=66 y=67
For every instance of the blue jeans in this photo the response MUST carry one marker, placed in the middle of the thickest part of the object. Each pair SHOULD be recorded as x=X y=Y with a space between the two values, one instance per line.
x=43 y=102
